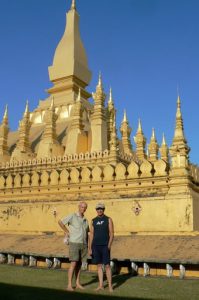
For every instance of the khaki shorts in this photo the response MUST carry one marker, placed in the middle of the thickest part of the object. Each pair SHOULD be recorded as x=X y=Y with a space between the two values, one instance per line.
x=78 y=252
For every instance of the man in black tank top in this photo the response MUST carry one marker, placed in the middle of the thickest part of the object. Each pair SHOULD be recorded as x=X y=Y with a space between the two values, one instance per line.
x=101 y=238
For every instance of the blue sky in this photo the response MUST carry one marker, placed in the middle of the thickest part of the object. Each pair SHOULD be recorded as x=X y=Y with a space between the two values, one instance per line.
x=144 y=49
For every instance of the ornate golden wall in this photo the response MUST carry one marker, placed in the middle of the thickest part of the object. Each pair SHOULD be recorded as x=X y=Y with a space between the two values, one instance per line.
x=139 y=198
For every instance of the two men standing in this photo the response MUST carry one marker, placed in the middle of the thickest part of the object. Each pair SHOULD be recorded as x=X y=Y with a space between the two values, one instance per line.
x=98 y=245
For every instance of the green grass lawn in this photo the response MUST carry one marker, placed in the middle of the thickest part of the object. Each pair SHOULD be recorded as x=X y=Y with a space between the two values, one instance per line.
x=18 y=283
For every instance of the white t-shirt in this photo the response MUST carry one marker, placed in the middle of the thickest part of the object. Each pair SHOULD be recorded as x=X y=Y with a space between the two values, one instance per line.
x=78 y=228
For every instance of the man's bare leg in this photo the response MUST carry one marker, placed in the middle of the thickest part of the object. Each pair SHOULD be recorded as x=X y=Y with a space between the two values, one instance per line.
x=77 y=275
x=73 y=265
x=109 y=277
x=100 y=277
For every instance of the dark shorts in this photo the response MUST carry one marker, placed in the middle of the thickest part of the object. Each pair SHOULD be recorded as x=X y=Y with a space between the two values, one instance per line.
x=101 y=255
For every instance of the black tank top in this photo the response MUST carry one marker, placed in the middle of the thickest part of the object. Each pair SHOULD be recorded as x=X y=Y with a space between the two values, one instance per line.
x=101 y=230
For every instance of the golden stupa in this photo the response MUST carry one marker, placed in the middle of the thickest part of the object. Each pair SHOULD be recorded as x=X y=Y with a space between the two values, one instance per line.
x=67 y=150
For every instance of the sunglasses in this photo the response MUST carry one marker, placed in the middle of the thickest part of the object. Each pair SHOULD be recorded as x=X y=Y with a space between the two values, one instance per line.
x=99 y=208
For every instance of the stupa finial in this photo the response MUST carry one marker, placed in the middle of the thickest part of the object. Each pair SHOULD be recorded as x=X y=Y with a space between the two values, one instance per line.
x=5 y=116
x=100 y=79
x=153 y=134
x=179 y=105
x=110 y=96
x=139 y=126
x=27 y=108
x=73 y=4
x=125 y=117
x=163 y=140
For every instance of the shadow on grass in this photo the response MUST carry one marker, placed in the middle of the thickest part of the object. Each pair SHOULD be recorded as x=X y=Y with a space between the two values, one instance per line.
x=118 y=280
x=17 y=292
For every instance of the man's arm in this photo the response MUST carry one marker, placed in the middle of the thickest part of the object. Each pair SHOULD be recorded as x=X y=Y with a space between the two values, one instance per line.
x=90 y=238
x=63 y=227
x=111 y=232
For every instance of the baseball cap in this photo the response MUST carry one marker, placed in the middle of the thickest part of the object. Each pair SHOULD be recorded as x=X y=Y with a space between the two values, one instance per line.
x=100 y=205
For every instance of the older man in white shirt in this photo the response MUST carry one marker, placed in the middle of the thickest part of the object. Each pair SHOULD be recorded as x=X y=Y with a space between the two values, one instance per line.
x=76 y=228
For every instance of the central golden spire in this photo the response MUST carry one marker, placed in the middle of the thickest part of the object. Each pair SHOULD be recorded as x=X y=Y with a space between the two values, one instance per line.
x=70 y=57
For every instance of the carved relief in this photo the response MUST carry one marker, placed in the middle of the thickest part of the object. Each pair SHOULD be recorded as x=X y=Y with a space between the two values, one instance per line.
x=136 y=208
